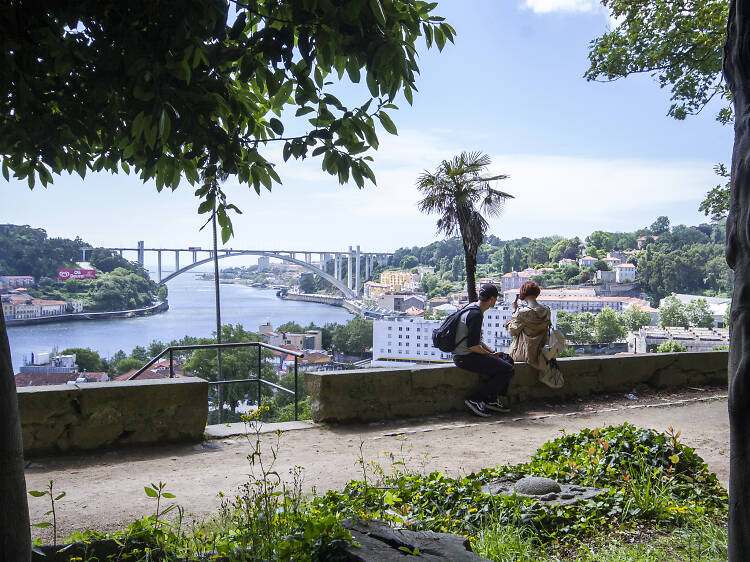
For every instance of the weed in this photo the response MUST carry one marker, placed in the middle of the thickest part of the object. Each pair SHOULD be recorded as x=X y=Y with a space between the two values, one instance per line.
x=52 y=499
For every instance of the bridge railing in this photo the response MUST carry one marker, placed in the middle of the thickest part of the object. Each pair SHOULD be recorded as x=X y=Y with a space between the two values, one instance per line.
x=260 y=345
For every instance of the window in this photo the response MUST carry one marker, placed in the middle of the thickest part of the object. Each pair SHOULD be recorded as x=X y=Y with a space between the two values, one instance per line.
x=400 y=328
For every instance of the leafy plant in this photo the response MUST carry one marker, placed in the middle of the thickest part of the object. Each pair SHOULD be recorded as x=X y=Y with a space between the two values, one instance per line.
x=52 y=499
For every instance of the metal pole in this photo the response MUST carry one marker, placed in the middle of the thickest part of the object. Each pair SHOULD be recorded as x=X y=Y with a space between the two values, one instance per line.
x=296 y=399
x=171 y=365
x=220 y=375
x=259 y=383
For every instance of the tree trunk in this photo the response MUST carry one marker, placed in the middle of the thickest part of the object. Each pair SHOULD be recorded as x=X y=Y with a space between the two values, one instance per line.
x=471 y=272
x=15 y=534
x=737 y=73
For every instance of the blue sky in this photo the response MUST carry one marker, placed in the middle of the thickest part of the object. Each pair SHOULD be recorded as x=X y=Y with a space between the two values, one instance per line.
x=581 y=156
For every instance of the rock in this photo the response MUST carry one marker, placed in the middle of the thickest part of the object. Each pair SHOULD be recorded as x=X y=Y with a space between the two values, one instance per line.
x=548 y=497
x=380 y=543
x=537 y=486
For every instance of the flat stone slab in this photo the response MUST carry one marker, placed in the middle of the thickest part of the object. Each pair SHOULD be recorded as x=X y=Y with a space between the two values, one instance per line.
x=566 y=495
x=381 y=543
x=220 y=431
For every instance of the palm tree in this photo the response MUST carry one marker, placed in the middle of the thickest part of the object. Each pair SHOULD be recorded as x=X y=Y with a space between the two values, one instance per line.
x=455 y=190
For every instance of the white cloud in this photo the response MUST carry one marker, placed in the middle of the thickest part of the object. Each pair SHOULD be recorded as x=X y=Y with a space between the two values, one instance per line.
x=554 y=194
x=548 y=6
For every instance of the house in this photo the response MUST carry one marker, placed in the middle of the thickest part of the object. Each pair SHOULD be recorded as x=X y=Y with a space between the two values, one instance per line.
x=566 y=262
x=77 y=306
x=399 y=302
x=625 y=272
x=50 y=307
x=611 y=261
x=586 y=261
x=641 y=241
x=515 y=279
x=24 y=307
x=15 y=281
x=605 y=276
x=373 y=290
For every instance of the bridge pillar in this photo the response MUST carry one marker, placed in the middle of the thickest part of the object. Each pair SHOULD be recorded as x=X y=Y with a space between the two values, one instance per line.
x=357 y=269
x=177 y=260
x=120 y=253
x=349 y=269
x=367 y=267
x=194 y=256
x=140 y=252
x=158 y=258
x=308 y=257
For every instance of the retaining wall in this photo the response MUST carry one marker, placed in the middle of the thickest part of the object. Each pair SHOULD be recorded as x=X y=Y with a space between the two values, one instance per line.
x=72 y=418
x=379 y=394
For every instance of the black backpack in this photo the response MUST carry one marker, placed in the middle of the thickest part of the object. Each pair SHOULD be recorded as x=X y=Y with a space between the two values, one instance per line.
x=444 y=337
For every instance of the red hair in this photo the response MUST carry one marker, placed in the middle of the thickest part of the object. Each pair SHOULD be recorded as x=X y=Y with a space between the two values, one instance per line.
x=528 y=289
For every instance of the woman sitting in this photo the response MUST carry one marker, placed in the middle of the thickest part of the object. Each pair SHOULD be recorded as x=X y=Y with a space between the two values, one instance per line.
x=530 y=327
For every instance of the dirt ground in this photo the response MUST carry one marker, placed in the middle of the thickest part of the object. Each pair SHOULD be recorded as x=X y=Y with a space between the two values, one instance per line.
x=104 y=491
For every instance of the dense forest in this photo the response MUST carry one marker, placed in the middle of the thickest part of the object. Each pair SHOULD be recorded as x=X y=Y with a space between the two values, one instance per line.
x=680 y=259
x=120 y=284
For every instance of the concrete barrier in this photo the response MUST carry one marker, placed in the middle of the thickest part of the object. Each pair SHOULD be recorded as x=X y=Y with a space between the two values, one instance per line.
x=380 y=394
x=73 y=418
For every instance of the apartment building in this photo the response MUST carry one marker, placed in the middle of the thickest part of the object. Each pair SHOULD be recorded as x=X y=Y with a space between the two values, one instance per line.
x=585 y=300
x=409 y=340
x=395 y=279
x=373 y=290
x=515 y=279
x=625 y=272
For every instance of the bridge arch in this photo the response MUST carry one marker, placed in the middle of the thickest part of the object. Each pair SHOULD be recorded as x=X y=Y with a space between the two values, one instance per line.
x=328 y=277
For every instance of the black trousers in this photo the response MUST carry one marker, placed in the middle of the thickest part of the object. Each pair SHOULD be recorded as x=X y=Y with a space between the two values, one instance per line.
x=496 y=374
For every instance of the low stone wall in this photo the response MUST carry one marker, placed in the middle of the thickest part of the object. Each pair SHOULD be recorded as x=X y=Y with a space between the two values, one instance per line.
x=72 y=418
x=381 y=394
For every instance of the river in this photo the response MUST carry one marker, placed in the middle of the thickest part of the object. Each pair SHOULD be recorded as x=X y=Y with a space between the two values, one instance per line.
x=191 y=312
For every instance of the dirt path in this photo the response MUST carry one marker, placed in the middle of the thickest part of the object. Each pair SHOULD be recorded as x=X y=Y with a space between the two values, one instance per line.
x=105 y=491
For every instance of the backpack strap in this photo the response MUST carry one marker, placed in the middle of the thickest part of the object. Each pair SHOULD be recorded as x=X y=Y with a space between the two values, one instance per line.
x=466 y=337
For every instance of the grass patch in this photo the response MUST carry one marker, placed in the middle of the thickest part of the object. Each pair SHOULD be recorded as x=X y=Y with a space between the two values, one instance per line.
x=661 y=503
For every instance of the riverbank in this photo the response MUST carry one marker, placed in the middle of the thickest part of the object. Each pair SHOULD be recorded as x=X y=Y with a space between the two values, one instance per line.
x=156 y=308
x=349 y=306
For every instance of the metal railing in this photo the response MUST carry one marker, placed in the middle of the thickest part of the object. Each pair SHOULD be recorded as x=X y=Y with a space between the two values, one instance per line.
x=175 y=348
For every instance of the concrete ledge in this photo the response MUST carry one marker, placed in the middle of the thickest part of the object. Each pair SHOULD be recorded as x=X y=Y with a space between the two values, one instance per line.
x=72 y=418
x=381 y=394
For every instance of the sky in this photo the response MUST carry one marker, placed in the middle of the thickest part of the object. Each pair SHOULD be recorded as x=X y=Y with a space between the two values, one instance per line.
x=581 y=156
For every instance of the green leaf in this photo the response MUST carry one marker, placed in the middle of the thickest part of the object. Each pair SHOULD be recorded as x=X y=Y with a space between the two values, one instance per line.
x=6 y=175
x=372 y=84
x=37 y=493
x=165 y=125
x=304 y=111
x=377 y=11
x=43 y=524
x=150 y=492
x=61 y=496
x=387 y=123
x=168 y=495
x=277 y=126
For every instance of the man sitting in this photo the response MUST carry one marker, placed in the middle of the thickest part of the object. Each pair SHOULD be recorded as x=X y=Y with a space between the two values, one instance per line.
x=472 y=354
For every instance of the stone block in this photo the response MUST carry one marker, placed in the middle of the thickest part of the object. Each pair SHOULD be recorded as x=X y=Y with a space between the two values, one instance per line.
x=380 y=394
x=91 y=416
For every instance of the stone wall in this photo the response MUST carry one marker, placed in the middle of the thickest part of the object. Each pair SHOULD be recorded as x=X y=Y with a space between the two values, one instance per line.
x=71 y=418
x=380 y=394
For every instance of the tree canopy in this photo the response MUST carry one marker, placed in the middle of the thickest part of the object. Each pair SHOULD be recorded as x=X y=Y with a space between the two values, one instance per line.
x=199 y=88
x=460 y=191
x=678 y=42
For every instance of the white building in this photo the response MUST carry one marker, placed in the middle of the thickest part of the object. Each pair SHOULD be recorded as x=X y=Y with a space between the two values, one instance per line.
x=625 y=272
x=515 y=279
x=409 y=340
x=576 y=301
x=717 y=305
x=648 y=338
x=586 y=261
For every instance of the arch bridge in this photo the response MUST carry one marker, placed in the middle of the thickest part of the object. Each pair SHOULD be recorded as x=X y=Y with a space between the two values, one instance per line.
x=353 y=258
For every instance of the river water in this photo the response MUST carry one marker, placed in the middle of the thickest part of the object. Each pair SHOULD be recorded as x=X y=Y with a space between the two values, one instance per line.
x=191 y=312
